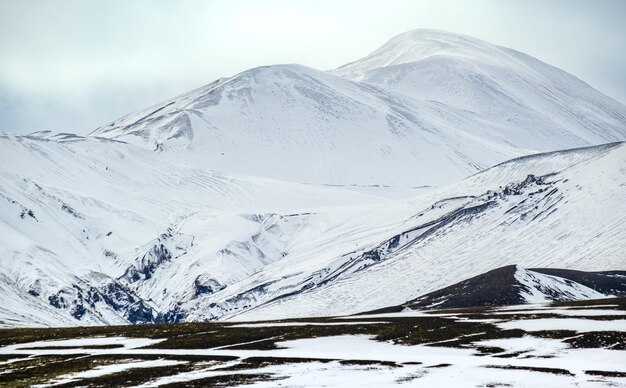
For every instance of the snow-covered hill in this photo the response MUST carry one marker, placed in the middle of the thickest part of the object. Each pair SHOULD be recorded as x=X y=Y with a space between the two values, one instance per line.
x=79 y=218
x=513 y=285
x=427 y=108
x=97 y=231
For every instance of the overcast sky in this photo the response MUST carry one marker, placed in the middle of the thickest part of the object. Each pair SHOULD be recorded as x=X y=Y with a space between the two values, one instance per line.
x=75 y=65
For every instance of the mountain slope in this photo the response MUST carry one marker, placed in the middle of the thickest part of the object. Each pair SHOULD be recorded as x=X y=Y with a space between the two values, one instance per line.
x=569 y=215
x=532 y=104
x=299 y=124
x=513 y=285
x=447 y=106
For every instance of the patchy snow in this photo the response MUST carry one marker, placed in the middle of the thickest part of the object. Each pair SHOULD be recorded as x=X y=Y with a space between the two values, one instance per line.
x=289 y=324
x=417 y=365
x=566 y=312
x=194 y=375
x=103 y=370
x=529 y=306
x=11 y=361
x=334 y=374
x=576 y=324
x=86 y=343
x=529 y=346
x=464 y=362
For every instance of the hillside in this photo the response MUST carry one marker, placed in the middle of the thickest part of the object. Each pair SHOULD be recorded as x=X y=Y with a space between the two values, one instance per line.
x=95 y=231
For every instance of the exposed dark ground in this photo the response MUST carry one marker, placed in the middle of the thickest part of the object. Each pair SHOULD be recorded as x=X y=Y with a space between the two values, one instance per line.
x=430 y=330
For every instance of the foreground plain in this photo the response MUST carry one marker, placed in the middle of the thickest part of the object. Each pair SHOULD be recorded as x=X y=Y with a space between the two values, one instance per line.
x=562 y=344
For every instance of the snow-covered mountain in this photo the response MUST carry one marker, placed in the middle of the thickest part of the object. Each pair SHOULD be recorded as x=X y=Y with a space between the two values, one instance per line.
x=96 y=231
x=176 y=213
x=519 y=98
x=427 y=108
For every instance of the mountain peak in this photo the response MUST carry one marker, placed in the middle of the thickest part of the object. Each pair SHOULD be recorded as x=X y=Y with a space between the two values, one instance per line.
x=425 y=35
x=419 y=44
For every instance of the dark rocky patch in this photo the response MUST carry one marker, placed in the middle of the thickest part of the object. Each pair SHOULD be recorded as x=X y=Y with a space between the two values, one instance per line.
x=146 y=264
x=605 y=373
x=389 y=364
x=599 y=339
x=204 y=284
x=107 y=346
x=82 y=300
x=494 y=288
x=174 y=315
x=556 y=371
x=439 y=366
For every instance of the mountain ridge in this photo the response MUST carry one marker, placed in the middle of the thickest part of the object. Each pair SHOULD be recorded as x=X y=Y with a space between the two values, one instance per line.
x=461 y=117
